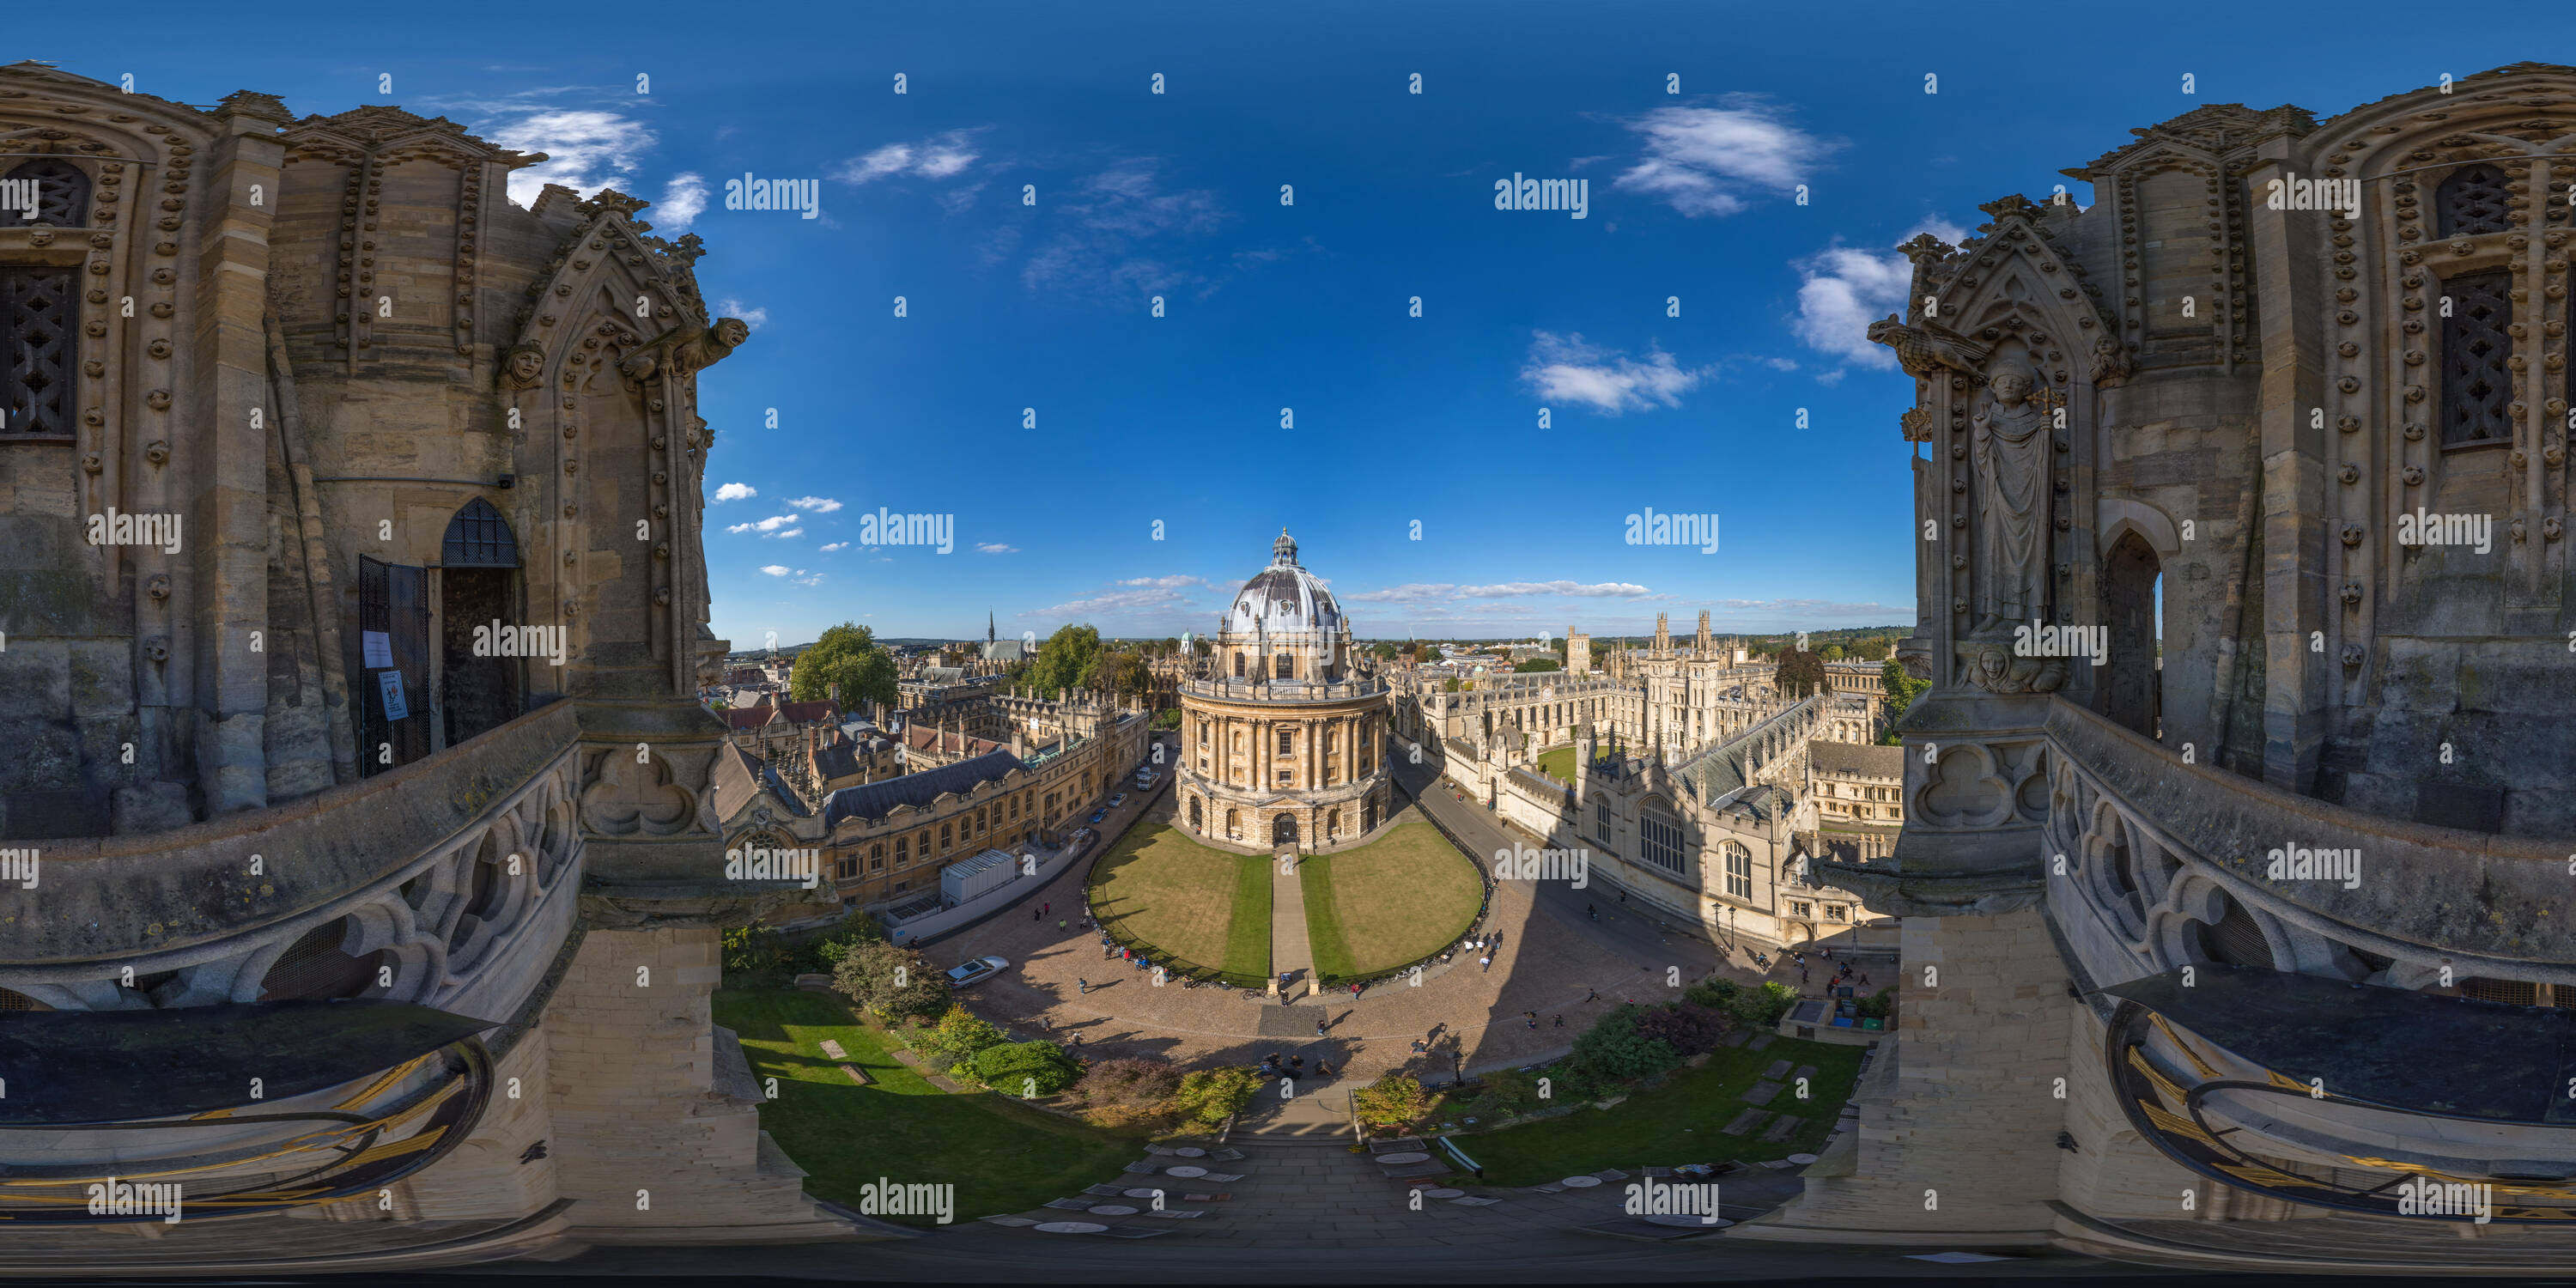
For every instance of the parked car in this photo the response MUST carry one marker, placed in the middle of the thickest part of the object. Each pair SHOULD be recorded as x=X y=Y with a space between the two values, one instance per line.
x=1099 y=814
x=1117 y=800
x=976 y=971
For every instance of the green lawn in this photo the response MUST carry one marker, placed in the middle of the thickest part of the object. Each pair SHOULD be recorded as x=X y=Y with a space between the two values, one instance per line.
x=1001 y=1155
x=1682 y=1121
x=1201 y=907
x=1395 y=900
x=1557 y=764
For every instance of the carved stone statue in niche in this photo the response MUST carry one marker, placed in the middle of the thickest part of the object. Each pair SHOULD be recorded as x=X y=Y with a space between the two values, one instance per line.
x=2110 y=364
x=2010 y=452
x=684 y=350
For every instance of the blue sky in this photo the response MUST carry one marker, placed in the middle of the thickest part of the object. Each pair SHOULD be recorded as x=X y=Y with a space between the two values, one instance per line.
x=1397 y=420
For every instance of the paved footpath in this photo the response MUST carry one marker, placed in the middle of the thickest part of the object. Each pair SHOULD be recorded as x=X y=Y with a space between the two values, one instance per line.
x=1290 y=952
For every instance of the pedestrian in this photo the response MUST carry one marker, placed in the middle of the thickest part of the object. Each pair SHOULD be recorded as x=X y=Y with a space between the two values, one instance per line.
x=1082 y=987
x=1035 y=915
x=1864 y=979
x=1319 y=1028
x=1560 y=1021
x=1591 y=995
x=1355 y=988
x=1322 y=1069
x=1077 y=1037
x=1487 y=963
x=1623 y=896
x=1045 y=1023
x=1532 y=1017
x=1059 y=925
x=1592 y=912
x=1420 y=1047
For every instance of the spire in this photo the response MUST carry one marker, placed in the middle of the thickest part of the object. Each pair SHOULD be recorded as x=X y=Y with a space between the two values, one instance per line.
x=988 y=626
x=1283 y=552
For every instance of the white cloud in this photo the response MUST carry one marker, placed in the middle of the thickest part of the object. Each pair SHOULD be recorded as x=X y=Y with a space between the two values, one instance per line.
x=1565 y=369
x=802 y=580
x=765 y=526
x=735 y=492
x=1439 y=592
x=1710 y=160
x=1142 y=601
x=818 y=504
x=1167 y=583
x=996 y=548
x=1105 y=223
x=777 y=570
x=940 y=156
x=1846 y=289
x=791 y=532
x=681 y=203
x=837 y=545
x=585 y=149
x=751 y=317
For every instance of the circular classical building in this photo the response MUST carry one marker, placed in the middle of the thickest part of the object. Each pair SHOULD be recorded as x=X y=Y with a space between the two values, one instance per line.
x=1281 y=734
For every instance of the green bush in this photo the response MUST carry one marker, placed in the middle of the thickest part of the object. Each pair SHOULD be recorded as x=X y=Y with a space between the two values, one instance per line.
x=1129 y=1089
x=1510 y=1091
x=1878 y=1005
x=1033 y=1068
x=1717 y=993
x=1763 y=1007
x=1615 y=1051
x=1209 y=1096
x=1392 y=1101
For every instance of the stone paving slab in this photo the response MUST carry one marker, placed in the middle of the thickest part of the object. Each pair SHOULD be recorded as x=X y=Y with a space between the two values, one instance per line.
x=1291 y=1021
x=1804 y=1071
x=1782 y=1130
x=1762 y=1093
x=1736 y=1037
x=1778 y=1069
x=1746 y=1122
x=1763 y=1042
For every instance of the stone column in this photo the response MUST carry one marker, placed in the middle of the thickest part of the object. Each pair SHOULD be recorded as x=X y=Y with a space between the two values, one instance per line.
x=2295 y=503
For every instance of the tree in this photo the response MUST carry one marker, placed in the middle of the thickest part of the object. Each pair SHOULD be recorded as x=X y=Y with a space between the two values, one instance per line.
x=1065 y=660
x=1384 y=651
x=1800 y=673
x=1902 y=688
x=847 y=660
x=1538 y=664
x=1832 y=653
x=959 y=1035
x=886 y=980
x=1129 y=1089
x=1450 y=685
x=1392 y=1101
x=1121 y=672
x=1209 y=1096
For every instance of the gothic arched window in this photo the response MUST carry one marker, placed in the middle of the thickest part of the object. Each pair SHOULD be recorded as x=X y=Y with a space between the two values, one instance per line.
x=35 y=328
x=478 y=537
x=56 y=190
x=2477 y=352
x=2471 y=201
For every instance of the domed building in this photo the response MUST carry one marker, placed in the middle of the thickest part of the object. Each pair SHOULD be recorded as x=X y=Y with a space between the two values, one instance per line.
x=1281 y=735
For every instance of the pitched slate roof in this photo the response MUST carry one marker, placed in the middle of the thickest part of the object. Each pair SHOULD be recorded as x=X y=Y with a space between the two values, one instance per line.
x=738 y=776
x=876 y=800
x=1856 y=760
x=926 y=738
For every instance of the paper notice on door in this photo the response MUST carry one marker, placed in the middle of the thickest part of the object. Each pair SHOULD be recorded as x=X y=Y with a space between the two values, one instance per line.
x=391 y=683
x=378 y=647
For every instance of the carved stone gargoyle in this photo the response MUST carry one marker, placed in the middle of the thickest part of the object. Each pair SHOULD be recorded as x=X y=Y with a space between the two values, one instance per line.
x=685 y=350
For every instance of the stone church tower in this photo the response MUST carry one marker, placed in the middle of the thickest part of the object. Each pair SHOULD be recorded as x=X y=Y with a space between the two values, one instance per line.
x=2247 y=777
x=362 y=408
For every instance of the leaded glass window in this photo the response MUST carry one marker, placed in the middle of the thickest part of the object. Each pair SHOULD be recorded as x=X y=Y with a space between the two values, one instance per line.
x=36 y=317
x=2472 y=201
x=2476 y=352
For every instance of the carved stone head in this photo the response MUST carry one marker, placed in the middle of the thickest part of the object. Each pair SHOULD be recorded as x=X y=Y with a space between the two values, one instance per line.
x=731 y=332
x=2011 y=384
x=524 y=366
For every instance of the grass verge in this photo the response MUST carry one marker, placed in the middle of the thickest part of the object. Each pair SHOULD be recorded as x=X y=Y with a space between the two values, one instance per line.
x=1003 y=1156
